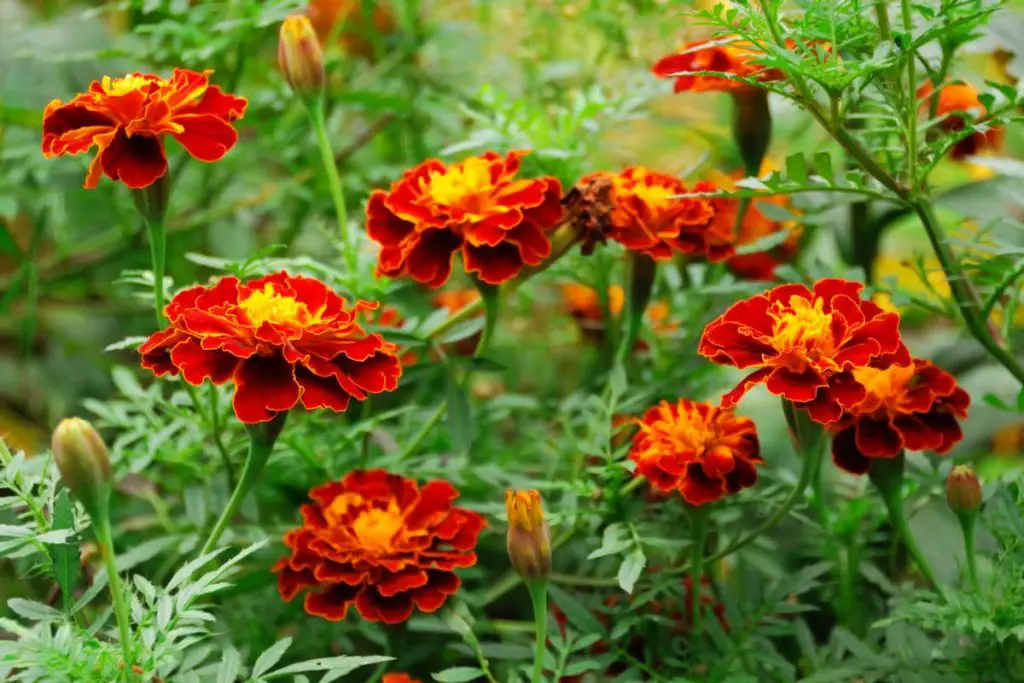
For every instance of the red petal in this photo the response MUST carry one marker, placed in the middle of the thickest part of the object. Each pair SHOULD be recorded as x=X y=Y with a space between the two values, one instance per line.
x=197 y=365
x=206 y=137
x=264 y=386
x=136 y=161
x=493 y=265
x=332 y=603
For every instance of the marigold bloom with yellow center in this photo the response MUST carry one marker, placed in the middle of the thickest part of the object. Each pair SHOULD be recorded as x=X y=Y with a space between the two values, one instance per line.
x=379 y=542
x=477 y=207
x=642 y=211
x=701 y=450
x=805 y=344
x=126 y=119
x=914 y=406
x=282 y=340
x=955 y=100
x=528 y=540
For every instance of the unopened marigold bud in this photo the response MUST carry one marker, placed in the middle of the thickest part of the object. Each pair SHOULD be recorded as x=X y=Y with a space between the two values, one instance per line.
x=300 y=57
x=529 y=540
x=83 y=462
x=963 y=490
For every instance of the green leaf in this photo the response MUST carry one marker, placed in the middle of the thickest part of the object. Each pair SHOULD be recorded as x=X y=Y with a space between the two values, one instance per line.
x=343 y=664
x=270 y=657
x=66 y=564
x=458 y=674
x=460 y=419
x=227 y=672
x=796 y=168
x=30 y=609
x=823 y=166
x=575 y=611
x=631 y=568
x=766 y=243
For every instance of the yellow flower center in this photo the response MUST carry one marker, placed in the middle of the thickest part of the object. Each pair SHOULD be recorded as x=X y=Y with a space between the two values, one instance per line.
x=130 y=83
x=524 y=509
x=887 y=386
x=802 y=332
x=686 y=433
x=655 y=196
x=465 y=185
x=376 y=529
x=266 y=305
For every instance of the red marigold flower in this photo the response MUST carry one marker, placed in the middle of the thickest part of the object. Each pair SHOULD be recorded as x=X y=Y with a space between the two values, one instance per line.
x=380 y=542
x=399 y=678
x=127 y=118
x=914 y=406
x=644 y=215
x=955 y=100
x=476 y=207
x=388 y=317
x=805 y=344
x=282 y=340
x=725 y=55
x=701 y=450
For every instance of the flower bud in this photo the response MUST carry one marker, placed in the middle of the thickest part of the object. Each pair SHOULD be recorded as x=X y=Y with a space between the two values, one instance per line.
x=963 y=490
x=300 y=57
x=529 y=540
x=84 y=465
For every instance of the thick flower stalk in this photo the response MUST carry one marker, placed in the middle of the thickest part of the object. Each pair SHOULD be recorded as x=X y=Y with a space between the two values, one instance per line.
x=699 y=450
x=126 y=121
x=804 y=344
x=478 y=208
x=381 y=543
x=916 y=407
x=282 y=340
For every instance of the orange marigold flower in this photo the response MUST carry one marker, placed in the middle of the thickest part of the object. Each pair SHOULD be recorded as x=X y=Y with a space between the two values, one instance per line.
x=725 y=55
x=399 y=678
x=476 y=207
x=644 y=215
x=348 y=19
x=914 y=406
x=127 y=118
x=455 y=299
x=380 y=542
x=701 y=450
x=282 y=340
x=584 y=305
x=805 y=344
x=955 y=100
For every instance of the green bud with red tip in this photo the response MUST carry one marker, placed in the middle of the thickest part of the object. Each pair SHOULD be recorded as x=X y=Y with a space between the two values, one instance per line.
x=963 y=490
x=84 y=464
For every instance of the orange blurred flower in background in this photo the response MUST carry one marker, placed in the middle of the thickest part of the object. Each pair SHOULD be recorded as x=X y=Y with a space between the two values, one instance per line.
x=954 y=100
x=399 y=678
x=584 y=305
x=282 y=340
x=642 y=212
x=126 y=119
x=915 y=406
x=729 y=55
x=476 y=207
x=379 y=542
x=701 y=450
x=806 y=344
x=351 y=23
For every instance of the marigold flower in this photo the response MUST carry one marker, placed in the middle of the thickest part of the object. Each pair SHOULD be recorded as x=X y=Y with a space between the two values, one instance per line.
x=528 y=540
x=584 y=305
x=83 y=462
x=805 y=344
x=347 y=19
x=387 y=317
x=282 y=339
x=645 y=216
x=454 y=300
x=127 y=118
x=913 y=406
x=955 y=100
x=299 y=56
x=476 y=207
x=725 y=55
x=701 y=450
x=380 y=542
x=399 y=678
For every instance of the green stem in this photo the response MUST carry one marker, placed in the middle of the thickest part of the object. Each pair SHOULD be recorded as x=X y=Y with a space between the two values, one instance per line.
x=158 y=251
x=316 y=115
x=699 y=518
x=101 y=526
x=967 y=524
x=366 y=410
x=491 y=297
x=908 y=26
x=883 y=19
x=887 y=476
x=416 y=440
x=455 y=318
x=261 y=442
x=539 y=599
